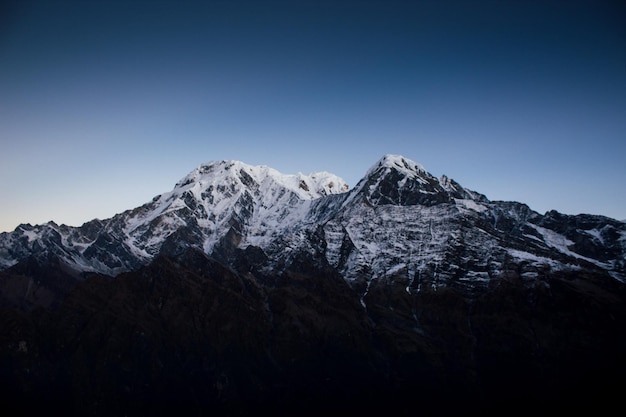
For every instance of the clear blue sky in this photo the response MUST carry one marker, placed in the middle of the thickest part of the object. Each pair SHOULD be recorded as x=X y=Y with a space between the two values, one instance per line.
x=105 y=104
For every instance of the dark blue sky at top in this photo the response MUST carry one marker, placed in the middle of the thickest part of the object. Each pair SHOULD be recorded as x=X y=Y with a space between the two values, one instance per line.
x=104 y=104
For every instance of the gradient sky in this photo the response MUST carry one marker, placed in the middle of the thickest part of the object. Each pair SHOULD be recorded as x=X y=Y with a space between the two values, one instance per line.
x=105 y=104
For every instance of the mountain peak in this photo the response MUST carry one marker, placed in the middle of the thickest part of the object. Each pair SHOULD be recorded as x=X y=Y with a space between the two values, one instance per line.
x=307 y=187
x=399 y=163
x=397 y=180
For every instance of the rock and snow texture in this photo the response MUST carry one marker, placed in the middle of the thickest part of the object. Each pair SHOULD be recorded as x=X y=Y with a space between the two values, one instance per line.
x=216 y=201
x=398 y=221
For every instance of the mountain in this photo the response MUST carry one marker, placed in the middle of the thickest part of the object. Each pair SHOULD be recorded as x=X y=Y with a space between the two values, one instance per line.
x=215 y=202
x=397 y=217
x=244 y=289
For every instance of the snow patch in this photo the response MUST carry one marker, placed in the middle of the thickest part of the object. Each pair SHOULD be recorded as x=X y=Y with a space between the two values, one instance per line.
x=31 y=235
x=527 y=256
x=470 y=204
x=595 y=233
x=561 y=243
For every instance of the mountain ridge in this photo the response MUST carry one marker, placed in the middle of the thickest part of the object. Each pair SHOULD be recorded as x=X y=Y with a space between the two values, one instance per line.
x=223 y=205
x=244 y=290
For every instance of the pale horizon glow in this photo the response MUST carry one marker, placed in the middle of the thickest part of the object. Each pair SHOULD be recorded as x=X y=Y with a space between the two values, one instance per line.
x=105 y=105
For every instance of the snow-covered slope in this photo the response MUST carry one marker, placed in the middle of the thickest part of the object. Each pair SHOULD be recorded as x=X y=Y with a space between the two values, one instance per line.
x=215 y=202
x=398 y=222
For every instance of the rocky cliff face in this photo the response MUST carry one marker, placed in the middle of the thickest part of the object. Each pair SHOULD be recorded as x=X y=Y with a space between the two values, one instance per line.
x=246 y=290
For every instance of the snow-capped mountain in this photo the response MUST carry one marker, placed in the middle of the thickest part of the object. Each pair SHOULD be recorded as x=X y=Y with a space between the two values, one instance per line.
x=216 y=203
x=244 y=291
x=398 y=220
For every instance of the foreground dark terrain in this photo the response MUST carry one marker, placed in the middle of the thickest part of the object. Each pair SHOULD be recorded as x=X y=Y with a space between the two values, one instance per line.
x=408 y=295
x=186 y=334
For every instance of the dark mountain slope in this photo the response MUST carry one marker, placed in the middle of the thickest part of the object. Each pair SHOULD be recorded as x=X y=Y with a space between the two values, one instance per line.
x=189 y=335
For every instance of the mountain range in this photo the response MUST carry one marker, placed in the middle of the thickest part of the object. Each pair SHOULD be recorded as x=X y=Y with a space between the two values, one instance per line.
x=245 y=289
